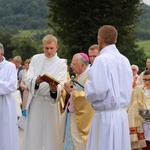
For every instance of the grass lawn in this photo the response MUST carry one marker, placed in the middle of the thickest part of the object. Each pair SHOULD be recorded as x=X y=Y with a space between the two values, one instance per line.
x=26 y=33
x=145 y=45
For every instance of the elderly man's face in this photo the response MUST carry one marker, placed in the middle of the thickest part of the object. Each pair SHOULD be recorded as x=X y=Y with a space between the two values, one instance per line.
x=134 y=70
x=76 y=65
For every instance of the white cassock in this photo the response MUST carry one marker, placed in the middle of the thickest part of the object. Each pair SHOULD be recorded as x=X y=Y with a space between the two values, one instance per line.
x=8 y=116
x=43 y=118
x=18 y=100
x=109 y=88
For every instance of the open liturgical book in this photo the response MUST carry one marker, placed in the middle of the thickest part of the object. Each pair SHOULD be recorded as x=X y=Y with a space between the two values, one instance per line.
x=47 y=78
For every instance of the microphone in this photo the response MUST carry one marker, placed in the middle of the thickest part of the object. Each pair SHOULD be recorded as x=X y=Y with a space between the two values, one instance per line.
x=72 y=80
x=78 y=83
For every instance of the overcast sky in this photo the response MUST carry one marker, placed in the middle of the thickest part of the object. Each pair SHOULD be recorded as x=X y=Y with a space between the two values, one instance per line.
x=147 y=2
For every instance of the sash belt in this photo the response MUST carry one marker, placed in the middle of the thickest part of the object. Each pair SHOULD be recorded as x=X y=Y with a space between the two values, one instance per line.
x=113 y=109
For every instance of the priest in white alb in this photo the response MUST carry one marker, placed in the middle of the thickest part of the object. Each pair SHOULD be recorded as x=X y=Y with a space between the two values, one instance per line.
x=43 y=118
x=8 y=113
x=109 y=89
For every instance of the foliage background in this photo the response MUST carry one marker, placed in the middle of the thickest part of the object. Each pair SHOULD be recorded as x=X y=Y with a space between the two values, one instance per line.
x=75 y=23
x=78 y=23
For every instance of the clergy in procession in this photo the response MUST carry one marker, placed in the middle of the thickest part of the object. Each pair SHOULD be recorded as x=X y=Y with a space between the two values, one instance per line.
x=8 y=116
x=42 y=121
x=135 y=120
x=109 y=89
x=81 y=111
x=140 y=129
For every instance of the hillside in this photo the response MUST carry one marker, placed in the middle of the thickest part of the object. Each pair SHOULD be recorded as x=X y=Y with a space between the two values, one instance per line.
x=23 y=15
x=143 y=25
x=19 y=15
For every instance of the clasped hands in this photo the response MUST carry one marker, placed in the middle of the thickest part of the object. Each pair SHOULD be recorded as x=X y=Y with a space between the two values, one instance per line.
x=68 y=88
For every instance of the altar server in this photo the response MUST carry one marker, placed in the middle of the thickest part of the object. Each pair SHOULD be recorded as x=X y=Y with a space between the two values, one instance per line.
x=8 y=116
x=109 y=88
x=42 y=127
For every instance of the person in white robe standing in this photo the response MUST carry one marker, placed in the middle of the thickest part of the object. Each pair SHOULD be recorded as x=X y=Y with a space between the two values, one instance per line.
x=109 y=89
x=8 y=116
x=42 y=121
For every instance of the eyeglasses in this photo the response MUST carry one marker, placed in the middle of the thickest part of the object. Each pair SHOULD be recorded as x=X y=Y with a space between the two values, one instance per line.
x=146 y=80
x=72 y=64
x=133 y=69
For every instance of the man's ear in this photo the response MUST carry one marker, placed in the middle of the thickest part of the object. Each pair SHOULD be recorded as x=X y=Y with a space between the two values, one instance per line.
x=57 y=47
x=101 y=39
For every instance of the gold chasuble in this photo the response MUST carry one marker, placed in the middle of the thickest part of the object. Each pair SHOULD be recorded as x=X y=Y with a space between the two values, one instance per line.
x=138 y=100
x=83 y=114
x=82 y=108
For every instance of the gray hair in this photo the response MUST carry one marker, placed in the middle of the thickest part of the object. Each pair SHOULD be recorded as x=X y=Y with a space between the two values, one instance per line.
x=1 y=48
x=82 y=59
x=137 y=68
x=18 y=59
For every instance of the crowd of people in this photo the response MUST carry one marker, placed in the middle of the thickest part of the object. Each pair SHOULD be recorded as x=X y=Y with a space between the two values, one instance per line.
x=95 y=108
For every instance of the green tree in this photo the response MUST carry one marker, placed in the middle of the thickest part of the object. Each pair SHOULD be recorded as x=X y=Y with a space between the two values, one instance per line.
x=23 y=14
x=24 y=47
x=5 y=39
x=143 y=25
x=76 y=24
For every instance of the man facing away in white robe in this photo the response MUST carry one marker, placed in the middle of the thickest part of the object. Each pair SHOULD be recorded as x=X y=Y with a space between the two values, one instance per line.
x=42 y=124
x=8 y=116
x=109 y=88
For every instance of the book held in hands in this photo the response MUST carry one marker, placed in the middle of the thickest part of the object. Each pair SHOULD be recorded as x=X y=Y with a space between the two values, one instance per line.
x=47 y=78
